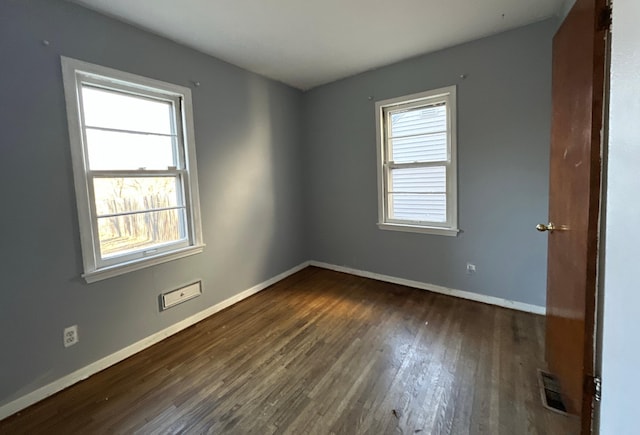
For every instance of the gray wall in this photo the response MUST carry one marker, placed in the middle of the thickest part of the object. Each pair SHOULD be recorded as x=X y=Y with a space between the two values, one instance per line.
x=248 y=133
x=503 y=153
x=284 y=177
x=621 y=350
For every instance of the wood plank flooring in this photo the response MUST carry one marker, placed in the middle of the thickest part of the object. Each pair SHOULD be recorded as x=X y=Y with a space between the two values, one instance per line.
x=322 y=353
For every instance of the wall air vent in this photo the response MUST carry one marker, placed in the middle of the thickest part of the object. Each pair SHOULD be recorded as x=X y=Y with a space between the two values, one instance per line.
x=180 y=295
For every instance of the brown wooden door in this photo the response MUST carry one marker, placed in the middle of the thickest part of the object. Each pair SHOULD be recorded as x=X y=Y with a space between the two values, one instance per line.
x=578 y=94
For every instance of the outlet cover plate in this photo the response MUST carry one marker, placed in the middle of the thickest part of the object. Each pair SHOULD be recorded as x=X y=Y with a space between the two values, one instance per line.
x=70 y=336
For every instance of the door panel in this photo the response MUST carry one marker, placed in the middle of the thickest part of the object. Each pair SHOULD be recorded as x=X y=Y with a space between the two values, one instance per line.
x=577 y=119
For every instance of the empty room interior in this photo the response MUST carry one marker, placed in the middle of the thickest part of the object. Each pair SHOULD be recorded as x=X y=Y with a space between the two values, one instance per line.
x=327 y=217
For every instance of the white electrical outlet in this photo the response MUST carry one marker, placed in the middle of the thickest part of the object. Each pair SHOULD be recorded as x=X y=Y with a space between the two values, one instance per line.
x=70 y=336
x=471 y=268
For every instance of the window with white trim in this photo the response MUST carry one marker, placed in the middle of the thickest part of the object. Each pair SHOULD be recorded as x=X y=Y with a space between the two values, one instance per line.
x=134 y=164
x=417 y=162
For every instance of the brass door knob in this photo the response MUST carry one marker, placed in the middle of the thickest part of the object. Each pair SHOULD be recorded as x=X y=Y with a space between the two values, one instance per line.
x=548 y=227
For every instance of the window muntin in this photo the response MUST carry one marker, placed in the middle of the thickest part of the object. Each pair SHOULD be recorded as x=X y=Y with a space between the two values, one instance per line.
x=417 y=162
x=138 y=214
x=134 y=167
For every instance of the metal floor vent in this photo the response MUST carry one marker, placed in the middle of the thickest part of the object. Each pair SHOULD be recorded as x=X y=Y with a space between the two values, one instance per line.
x=550 y=392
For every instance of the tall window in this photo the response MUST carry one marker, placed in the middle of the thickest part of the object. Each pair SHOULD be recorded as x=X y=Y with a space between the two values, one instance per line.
x=134 y=166
x=417 y=162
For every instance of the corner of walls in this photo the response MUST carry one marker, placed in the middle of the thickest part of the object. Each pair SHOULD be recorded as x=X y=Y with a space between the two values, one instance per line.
x=307 y=190
x=504 y=112
x=477 y=297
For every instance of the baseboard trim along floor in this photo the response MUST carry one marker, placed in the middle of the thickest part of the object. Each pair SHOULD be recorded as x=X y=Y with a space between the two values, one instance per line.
x=491 y=300
x=83 y=373
x=93 y=368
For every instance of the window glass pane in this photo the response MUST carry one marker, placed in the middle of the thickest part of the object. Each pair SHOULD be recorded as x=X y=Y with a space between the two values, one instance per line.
x=416 y=207
x=110 y=150
x=121 y=195
x=123 y=111
x=419 y=180
x=141 y=231
x=421 y=120
x=426 y=148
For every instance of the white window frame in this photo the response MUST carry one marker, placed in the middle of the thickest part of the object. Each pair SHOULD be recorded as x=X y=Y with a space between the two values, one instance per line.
x=75 y=73
x=446 y=95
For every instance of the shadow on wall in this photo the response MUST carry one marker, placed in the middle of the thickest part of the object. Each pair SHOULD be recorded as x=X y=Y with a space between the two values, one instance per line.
x=242 y=210
x=248 y=185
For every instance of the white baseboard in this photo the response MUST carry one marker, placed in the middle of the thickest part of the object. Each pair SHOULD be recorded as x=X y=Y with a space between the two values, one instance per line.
x=93 y=368
x=506 y=303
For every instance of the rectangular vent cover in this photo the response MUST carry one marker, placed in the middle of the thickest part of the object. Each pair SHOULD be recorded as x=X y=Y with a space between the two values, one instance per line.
x=551 y=393
x=181 y=295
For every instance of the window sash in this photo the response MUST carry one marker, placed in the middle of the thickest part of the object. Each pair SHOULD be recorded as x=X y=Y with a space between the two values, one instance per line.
x=77 y=73
x=177 y=132
x=387 y=165
x=409 y=107
x=392 y=212
x=390 y=165
x=176 y=128
x=134 y=254
x=388 y=191
x=188 y=233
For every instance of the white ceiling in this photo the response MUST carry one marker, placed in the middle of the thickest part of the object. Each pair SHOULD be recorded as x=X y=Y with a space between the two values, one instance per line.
x=306 y=43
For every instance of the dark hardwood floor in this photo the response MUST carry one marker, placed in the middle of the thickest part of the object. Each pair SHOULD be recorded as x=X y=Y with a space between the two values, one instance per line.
x=322 y=352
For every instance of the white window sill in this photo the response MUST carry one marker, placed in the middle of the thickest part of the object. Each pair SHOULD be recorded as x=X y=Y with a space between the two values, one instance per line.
x=452 y=232
x=130 y=266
